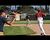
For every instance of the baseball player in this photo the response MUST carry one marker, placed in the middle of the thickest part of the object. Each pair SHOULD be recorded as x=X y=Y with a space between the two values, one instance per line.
x=40 y=15
x=3 y=20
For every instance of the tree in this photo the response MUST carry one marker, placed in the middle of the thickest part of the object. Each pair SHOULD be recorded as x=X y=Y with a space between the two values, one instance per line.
x=2 y=6
x=26 y=9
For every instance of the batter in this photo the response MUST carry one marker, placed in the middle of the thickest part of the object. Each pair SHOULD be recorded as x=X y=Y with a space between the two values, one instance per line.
x=40 y=15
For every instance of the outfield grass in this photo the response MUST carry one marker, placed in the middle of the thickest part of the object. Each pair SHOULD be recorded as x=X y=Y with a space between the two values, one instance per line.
x=32 y=22
x=18 y=30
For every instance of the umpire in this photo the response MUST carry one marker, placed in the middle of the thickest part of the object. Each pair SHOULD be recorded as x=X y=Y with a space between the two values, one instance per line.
x=28 y=20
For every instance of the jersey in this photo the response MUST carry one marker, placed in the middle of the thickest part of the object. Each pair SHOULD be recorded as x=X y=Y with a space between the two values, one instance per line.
x=40 y=15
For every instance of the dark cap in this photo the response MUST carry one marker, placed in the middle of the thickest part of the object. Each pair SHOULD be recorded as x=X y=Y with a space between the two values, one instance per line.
x=2 y=10
x=39 y=10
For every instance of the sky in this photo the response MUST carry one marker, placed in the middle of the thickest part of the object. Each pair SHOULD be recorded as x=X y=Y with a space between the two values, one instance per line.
x=13 y=7
x=38 y=6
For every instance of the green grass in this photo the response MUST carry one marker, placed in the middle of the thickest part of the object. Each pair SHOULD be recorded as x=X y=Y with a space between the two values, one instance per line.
x=32 y=22
x=18 y=30
x=46 y=21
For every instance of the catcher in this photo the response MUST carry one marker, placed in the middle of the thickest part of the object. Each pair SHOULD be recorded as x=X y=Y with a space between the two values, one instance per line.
x=3 y=20
x=40 y=15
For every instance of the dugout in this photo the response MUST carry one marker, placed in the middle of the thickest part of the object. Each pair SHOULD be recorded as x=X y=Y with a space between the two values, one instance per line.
x=32 y=17
x=47 y=17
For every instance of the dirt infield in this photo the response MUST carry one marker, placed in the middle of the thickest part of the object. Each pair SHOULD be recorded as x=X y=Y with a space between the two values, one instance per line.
x=35 y=27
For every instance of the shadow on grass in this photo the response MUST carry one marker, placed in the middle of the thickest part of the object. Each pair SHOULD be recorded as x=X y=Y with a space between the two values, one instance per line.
x=18 y=30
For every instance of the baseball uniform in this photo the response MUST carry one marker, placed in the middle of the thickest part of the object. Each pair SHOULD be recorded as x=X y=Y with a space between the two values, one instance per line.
x=40 y=16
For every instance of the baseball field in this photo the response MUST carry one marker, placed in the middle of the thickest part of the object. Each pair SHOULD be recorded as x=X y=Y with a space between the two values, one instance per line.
x=21 y=28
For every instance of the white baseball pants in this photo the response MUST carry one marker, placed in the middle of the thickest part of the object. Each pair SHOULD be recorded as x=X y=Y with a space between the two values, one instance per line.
x=40 y=23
